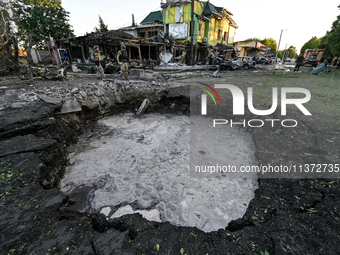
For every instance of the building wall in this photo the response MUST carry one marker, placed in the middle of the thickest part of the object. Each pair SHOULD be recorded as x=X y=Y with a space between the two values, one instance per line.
x=209 y=29
x=131 y=32
x=147 y=30
x=169 y=17
x=216 y=27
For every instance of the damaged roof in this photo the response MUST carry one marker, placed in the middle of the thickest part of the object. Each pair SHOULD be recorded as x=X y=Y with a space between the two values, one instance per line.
x=219 y=9
x=110 y=33
x=156 y=16
x=210 y=10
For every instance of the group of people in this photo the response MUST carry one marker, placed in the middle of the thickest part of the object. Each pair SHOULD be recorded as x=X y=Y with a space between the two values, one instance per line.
x=333 y=61
x=122 y=60
x=329 y=61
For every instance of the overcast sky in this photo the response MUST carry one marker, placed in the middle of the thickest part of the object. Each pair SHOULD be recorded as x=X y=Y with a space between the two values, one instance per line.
x=261 y=18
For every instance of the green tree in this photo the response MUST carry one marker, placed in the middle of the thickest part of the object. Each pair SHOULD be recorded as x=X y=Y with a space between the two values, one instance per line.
x=37 y=20
x=9 y=49
x=267 y=41
x=333 y=38
x=313 y=43
x=271 y=43
x=292 y=52
x=325 y=45
x=280 y=54
x=102 y=26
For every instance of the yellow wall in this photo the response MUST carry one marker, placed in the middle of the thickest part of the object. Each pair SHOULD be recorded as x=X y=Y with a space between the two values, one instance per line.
x=170 y=14
x=200 y=37
x=215 y=24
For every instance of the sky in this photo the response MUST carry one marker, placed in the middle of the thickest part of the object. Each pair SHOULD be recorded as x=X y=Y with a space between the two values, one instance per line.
x=303 y=19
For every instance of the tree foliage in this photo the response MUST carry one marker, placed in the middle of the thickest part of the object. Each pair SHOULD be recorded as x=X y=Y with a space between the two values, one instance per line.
x=40 y=19
x=102 y=26
x=271 y=43
x=333 y=37
x=9 y=50
x=330 y=42
x=267 y=41
x=313 y=43
x=292 y=52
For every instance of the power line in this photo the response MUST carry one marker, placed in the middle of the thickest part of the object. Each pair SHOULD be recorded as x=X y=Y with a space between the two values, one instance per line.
x=136 y=19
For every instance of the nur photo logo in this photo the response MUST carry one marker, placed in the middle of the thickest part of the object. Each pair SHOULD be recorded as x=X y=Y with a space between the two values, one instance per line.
x=238 y=104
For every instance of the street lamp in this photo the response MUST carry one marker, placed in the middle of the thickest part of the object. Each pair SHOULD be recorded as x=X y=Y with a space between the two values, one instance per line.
x=278 y=47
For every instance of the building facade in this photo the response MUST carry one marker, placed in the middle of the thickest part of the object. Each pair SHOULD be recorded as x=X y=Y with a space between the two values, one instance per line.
x=212 y=25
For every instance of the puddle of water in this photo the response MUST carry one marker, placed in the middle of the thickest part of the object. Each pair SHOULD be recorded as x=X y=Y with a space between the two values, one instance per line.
x=142 y=165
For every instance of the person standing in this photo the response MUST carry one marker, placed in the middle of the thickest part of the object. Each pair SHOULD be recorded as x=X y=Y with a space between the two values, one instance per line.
x=97 y=60
x=123 y=60
x=211 y=58
x=65 y=57
x=335 y=60
x=299 y=61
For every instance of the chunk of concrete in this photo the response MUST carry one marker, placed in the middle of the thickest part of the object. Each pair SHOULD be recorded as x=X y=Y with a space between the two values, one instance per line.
x=75 y=90
x=27 y=143
x=106 y=211
x=50 y=100
x=70 y=105
x=152 y=215
x=143 y=107
x=148 y=76
x=11 y=97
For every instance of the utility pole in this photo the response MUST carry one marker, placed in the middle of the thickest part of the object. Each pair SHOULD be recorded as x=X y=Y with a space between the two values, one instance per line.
x=192 y=28
x=278 y=47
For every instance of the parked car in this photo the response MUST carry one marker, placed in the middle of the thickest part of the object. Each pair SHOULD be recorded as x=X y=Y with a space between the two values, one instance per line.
x=262 y=60
x=225 y=63
x=274 y=58
x=287 y=60
x=245 y=62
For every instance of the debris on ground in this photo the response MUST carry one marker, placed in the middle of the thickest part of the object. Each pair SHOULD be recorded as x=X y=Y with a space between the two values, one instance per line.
x=321 y=69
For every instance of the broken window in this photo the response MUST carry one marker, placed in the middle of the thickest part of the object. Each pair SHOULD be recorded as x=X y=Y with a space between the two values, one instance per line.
x=134 y=53
x=149 y=52
x=179 y=14
x=143 y=34
x=219 y=34
x=225 y=38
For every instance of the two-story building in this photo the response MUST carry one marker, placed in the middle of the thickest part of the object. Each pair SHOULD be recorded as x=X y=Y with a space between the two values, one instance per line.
x=150 y=26
x=214 y=27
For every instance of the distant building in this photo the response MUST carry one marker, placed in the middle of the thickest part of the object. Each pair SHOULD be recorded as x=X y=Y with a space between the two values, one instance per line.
x=149 y=27
x=250 y=48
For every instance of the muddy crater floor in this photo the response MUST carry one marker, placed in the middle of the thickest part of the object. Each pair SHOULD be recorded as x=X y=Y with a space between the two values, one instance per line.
x=37 y=218
x=142 y=164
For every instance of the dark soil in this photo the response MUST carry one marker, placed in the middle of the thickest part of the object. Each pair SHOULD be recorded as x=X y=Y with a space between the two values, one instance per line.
x=287 y=215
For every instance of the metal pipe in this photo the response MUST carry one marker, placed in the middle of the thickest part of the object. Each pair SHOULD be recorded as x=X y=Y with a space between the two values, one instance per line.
x=192 y=26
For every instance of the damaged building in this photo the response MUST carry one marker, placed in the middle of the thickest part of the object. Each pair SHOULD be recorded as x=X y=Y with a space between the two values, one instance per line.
x=161 y=33
x=142 y=51
x=250 y=48
x=214 y=28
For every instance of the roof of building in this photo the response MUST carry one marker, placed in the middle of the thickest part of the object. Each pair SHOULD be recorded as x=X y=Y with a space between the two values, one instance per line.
x=210 y=10
x=153 y=17
x=219 y=9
